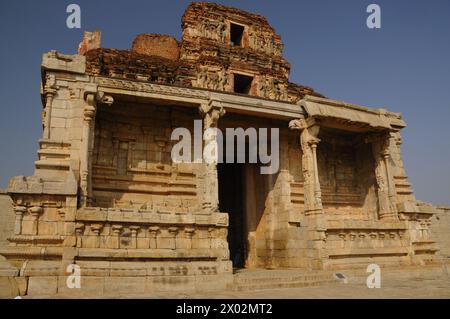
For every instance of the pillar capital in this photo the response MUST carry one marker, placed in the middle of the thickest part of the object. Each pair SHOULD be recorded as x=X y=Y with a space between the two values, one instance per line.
x=50 y=86
x=36 y=210
x=92 y=98
x=302 y=123
x=96 y=228
x=79 y=228
x=62 y=213
x=154 y=229
x=309 y=130
x=134 y=229
x=211 y=112
x=116 y=229
x=20 y=210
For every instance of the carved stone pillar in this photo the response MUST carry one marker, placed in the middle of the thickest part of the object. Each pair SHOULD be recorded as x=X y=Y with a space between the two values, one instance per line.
x=153 y=233
x=79 y=230
x=35 y=212
x=61 y=222
x=387 y=208
x=211 y=113
x=387 y=156
x=96 y=229
x=189 y=231
x=390 y=183
x=173 y=231
x=116 y=230
x=86 y=149
x=309 y=141
x=134 y=232
x=49 y=93
x=87 y=145
x=317 y=191
x=19 y=212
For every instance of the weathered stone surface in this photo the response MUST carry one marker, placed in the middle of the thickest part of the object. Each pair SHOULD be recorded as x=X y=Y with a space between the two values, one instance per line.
x=8 y=287
x=7 y=218
x=107 y=196
x=44 y=286
x=440 y=229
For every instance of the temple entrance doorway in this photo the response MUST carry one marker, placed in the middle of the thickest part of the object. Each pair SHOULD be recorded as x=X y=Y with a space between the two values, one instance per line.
x=246 y=193
x=243 y=193
x=231 y=201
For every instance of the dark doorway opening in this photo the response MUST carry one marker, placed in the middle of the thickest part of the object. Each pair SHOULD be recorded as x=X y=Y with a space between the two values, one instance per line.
x=242 y=83
x=236 y=34
x=231 y=201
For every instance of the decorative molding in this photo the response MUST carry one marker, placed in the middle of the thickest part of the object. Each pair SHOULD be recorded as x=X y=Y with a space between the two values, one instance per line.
x=151 y=88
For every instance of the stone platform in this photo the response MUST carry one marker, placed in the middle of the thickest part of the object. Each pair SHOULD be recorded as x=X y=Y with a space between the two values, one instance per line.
x=410 y=282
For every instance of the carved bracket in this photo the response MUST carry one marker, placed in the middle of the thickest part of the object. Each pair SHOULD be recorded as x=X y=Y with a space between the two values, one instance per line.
x=211 y=113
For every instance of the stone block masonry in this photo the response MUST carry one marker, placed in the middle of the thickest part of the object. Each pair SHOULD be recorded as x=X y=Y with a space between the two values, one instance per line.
x=107 y=196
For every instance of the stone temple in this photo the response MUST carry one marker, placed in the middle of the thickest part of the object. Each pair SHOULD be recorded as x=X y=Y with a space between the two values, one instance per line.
x=107 y=196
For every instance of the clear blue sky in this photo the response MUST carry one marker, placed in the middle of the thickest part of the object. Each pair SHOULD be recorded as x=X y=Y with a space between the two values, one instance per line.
x=404 y=67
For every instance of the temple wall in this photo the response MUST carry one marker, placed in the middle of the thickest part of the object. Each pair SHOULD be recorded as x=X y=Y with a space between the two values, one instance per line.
x=349 y=230
x=7 y=218
x=281 y=237
x=440 y=228
x=63 y=117
x=291 y=234
x=132 y=164
x=347 y=181
x=147 y=208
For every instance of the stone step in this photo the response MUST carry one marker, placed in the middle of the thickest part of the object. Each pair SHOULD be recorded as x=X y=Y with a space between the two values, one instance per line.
x=280 y=284
x=250 y=280
x=260 y=280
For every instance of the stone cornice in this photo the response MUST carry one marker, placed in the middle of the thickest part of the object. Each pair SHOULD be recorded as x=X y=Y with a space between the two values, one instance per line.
x=376 y=117
x=195 y=96
x=111 y=215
